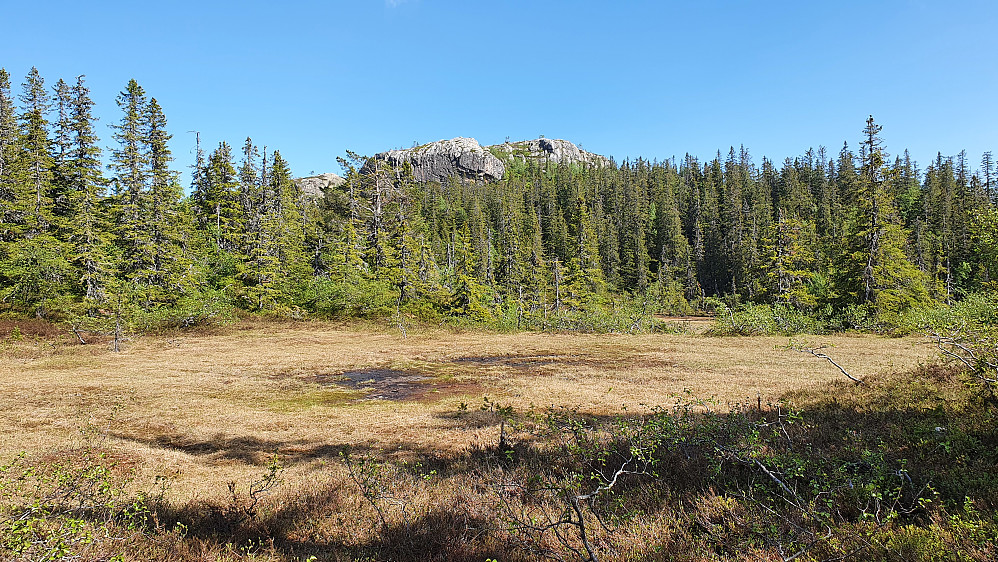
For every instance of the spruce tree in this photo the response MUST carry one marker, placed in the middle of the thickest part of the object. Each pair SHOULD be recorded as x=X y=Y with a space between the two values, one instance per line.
x=61 y=193
x=91 y=240
x=35 y=274
x=217 y=200
x=988 y=177
x=584 y=281
x=875 y=269
x=471 y=298
x=671 y=246
x=129 y=162
x=161 y=224
x=790 y=256
x=253 y=195
x=9 y=149
x=35 y=162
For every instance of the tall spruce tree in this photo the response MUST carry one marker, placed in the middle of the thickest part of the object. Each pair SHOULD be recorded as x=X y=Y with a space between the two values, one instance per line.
x=36 y=275
x=36 y=160
x=129 y=162
x=217 y=200
x=61 y=193
x=90 y=239
x=9 y=149
x=161 y=224
x=876 y=270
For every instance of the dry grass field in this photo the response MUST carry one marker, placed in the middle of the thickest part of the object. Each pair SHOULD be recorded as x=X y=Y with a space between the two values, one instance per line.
x=314 y=441
x=209 y=409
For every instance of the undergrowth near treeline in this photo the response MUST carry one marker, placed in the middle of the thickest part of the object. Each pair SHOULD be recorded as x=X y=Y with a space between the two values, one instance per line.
x=978 y=311
x=900 y=467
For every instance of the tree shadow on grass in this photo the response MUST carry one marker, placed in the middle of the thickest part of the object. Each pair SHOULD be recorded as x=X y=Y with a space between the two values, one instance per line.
x=247 y=449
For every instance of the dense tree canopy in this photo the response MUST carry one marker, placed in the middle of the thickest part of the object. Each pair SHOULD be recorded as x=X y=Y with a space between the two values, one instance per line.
x=850 y=239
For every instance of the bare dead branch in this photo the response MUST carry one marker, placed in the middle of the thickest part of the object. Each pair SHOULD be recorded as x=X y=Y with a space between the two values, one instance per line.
x=973 y=352
x=816 y=351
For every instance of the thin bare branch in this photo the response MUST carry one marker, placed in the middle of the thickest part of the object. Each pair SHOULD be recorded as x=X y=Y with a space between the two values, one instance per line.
x=816 y=351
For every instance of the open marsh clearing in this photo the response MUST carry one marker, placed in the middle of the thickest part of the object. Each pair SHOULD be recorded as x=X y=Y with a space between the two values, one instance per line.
x=213 y=408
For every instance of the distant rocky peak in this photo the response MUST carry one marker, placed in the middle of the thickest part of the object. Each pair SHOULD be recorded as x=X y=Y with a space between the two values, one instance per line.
x=438 y=161
x=313 y=187
x=463 y=158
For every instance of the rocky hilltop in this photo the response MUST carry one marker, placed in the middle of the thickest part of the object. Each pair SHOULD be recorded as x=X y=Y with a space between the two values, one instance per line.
x=313 y=187
x=465 y=159
x=550 y=150
x=441 y=160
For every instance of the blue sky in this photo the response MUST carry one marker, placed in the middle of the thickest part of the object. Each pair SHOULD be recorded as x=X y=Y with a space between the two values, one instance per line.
x=624 y=79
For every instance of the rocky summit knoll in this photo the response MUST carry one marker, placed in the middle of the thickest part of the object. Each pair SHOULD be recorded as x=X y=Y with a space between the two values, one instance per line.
x=438 y=161
x=313 y=187
x=464 y=158
x=557 y=151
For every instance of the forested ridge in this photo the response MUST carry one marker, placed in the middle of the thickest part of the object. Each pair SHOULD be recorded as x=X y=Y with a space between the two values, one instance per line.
x=854 y=238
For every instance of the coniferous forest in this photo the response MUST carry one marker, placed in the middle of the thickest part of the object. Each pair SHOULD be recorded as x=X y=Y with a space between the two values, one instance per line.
x=100 y=232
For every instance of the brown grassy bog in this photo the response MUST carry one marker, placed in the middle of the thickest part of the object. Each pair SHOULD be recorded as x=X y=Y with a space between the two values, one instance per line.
x=209 y=409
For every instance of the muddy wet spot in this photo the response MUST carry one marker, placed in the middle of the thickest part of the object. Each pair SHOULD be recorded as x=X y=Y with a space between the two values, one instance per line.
x=550 y=363
x=518 y=361
x=380 y=383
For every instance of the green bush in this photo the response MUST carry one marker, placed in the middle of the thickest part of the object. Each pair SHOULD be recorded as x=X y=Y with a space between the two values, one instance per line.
x=978 y=312
x=68 y=508
x=761 y=319
x=358 y=297
x=208 y=309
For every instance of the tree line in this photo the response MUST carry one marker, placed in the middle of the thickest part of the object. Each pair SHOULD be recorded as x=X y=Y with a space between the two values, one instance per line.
x=854 y=238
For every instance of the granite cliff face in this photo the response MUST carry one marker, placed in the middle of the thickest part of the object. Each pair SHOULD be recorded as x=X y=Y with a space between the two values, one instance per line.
x=438 y=161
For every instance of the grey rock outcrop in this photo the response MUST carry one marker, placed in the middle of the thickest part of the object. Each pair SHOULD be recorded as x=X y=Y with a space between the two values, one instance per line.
x=314 y=187
x=557 y=151
x=438 y=161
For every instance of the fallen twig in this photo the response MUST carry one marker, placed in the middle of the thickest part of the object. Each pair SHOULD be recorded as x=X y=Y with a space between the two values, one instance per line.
x=816 y=351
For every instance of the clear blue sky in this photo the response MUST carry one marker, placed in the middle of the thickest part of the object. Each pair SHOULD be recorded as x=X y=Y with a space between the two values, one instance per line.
x=647 y=78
